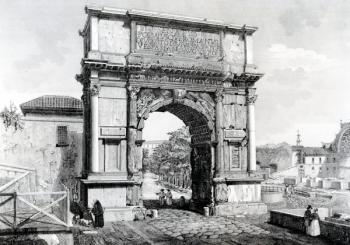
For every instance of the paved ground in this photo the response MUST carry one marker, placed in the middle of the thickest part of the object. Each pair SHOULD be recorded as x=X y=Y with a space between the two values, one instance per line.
x=184 y=227
x=151 y=187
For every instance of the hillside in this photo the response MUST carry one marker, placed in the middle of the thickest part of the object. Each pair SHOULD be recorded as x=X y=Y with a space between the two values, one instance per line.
x=278 y=154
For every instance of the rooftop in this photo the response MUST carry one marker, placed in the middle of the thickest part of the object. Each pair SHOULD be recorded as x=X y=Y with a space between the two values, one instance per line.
x=53 y=104
x=312 y=151
x=142 y=14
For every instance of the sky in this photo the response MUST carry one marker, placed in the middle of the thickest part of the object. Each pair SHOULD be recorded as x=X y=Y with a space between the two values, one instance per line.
x=302 y=48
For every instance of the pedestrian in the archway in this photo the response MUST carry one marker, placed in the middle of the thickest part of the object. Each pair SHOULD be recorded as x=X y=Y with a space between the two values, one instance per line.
x=169 y=198
x=161 y=197
x=97 y=210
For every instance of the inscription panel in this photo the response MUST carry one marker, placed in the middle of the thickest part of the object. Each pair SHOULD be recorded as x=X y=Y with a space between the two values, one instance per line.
x=178 y=41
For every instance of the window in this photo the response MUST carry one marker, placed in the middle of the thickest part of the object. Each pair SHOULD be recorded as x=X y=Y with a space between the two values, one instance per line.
x=334 y=159
x=301 y=166
x=313 y=160
x=313 y=168
x=320 y=160
x=62 y=136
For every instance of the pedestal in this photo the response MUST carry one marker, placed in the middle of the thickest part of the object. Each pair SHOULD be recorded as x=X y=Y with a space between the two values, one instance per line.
x=111 y=191
x=238 y=196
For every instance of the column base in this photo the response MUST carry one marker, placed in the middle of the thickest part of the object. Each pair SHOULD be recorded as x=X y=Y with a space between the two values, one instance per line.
x=227 y=209
x=112 y=191
x=119 y=214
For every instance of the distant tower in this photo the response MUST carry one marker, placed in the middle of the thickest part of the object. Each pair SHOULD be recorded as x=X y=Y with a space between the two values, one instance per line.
x=298 y=138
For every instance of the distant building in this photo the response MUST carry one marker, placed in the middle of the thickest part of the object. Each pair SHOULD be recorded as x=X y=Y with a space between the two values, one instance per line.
x=332 y=160
x=50 y=143
x=151 y=145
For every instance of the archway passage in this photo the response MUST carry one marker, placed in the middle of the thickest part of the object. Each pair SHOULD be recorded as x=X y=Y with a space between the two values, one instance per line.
x=200 y=128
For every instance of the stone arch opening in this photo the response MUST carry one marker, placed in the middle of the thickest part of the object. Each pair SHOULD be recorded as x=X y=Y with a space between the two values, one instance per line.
x=201 y=129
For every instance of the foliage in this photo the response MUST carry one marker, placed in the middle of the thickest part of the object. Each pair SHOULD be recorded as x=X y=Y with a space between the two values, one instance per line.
x=10 y=117
x=172 y=156
x=145 y=160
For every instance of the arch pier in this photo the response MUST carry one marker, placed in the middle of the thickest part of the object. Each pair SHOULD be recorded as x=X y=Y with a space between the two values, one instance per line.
x=202 y=71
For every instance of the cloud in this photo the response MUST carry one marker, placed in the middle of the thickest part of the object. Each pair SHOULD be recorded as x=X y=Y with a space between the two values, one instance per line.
x=282 y=57
x=50 y=48
x=301 y=16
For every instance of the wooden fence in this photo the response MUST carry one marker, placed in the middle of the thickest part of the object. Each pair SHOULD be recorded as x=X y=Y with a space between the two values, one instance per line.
x=34 y=209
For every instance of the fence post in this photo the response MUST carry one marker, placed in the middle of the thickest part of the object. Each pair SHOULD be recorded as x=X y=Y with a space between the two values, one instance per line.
x=69 y=218
x=14 y=210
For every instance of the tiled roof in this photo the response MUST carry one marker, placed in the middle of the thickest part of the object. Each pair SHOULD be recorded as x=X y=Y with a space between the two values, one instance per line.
x=53 y=104
x=314 y=151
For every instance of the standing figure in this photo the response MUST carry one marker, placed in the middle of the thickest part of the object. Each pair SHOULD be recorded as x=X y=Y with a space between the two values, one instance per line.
x=169 y=198
x=76 y=210
x=315 y=224
x=161 y=197
x=307 y=218
x=97 y=210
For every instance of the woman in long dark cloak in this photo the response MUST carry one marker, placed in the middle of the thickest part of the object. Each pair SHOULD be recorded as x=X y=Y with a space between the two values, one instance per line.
x=97 y=210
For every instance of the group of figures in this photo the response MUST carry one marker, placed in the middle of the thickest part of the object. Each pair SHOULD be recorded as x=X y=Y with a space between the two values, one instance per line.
x=311 y=221
x=289 y=190
x=85 y=216
x=165 y=198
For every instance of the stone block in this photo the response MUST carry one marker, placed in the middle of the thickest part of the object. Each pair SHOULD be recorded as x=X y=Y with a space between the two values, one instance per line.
x=119 y=214
x=244 y=193
x=271 y=197
x=240 y=208
x=326 y=184
x=110 y=197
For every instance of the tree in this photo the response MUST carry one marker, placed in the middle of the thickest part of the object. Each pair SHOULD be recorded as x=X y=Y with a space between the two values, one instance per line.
x=173 y=156
x=10 y=117
x=145 y=160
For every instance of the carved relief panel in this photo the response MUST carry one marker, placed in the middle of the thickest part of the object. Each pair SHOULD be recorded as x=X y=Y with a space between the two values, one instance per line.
x=176 y=41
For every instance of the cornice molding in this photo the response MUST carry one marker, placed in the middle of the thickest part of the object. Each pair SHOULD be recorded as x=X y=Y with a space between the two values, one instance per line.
x=155 y=16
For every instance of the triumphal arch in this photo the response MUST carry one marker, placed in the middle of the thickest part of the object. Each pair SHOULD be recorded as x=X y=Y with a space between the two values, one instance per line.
x=202 y=71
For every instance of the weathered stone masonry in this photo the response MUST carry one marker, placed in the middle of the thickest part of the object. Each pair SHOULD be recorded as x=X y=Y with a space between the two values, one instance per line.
x=138 y=62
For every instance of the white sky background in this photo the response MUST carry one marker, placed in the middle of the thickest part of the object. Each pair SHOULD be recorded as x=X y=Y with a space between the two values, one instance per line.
x=302 y=47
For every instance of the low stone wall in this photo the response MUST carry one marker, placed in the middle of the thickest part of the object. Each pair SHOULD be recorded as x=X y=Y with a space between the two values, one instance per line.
x=293 y=219
x=287 y=220
x=240 y=208
x=336 y=232
x=271 y=197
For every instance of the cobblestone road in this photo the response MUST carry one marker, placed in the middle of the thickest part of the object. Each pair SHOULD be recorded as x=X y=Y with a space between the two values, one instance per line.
x=183 y=227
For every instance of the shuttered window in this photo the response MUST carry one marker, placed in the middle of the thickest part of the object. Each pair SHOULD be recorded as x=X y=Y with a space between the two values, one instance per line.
x=62 y=136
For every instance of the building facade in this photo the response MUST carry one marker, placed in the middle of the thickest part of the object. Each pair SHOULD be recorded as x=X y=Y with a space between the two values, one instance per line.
x=150 y=145
x=331 y=160
x=50 y=142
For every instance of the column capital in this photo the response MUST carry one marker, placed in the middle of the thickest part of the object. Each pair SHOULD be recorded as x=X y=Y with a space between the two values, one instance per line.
x=251 y=99
x=133 y=91
x=83 y=98
x=219 y=95
x=94 y=89
x=251 y=96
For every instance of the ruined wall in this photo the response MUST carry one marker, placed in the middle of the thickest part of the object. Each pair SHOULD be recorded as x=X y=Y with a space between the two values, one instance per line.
x=35 y=147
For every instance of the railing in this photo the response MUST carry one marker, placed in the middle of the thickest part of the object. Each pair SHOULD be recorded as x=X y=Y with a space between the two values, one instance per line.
x=20 y=179
x=34 y=209
x=272 y=188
